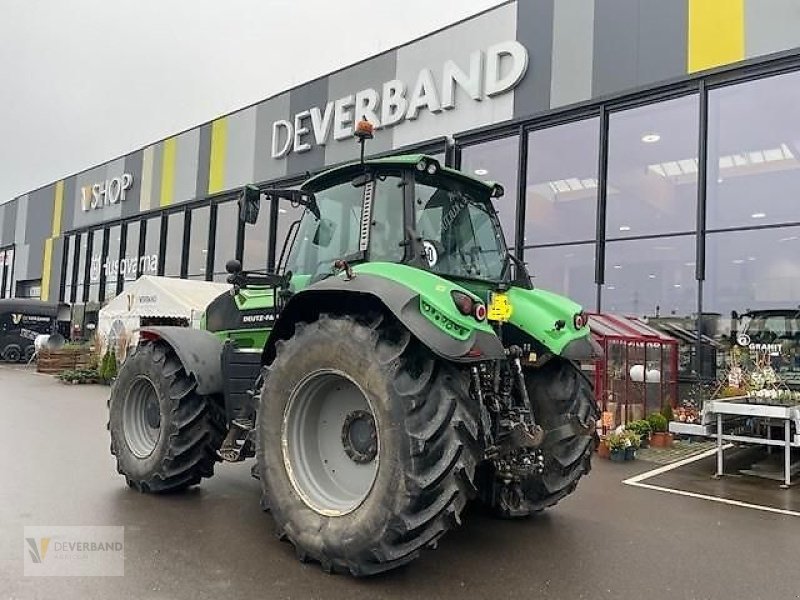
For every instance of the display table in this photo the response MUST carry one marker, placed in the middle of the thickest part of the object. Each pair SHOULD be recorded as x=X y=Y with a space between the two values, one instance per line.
x=733 y=414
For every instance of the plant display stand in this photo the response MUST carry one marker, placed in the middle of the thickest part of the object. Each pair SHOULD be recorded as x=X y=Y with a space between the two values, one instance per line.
x=748 y=420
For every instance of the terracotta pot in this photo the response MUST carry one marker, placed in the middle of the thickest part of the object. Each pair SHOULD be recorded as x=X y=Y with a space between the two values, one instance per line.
x=660 y=439
x=603 y=450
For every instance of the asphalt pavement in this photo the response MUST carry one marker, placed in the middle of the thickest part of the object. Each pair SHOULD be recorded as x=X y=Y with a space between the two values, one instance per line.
x=607 y=540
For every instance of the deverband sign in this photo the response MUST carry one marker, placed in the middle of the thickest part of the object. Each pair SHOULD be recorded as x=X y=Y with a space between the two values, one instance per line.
x=106 y=193
x=490 y=73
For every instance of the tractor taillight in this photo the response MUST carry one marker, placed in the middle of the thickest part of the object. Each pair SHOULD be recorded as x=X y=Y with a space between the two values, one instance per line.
x=463 y=302
x=480 y=311
x=580 y=320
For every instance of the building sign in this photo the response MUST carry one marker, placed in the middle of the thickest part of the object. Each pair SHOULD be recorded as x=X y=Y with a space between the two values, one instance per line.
x=492 y=72
x=129 y=267
x=105 y=193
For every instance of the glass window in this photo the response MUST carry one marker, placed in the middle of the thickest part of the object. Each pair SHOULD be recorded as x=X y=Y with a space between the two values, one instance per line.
x=69 y=249
x=148 y=264
x=566 y=270
x=652 y=169
x=256 y=238
x=561 y=192
x=652 y=278
x=752 y=297
x=130 y=263
x=752 y=270
x=754 y=153
x=386 y=235
x=225 y=236
x=287 y=214
x=111 y=265
x=320 y=242
x=497 y=161
x=198 y=242
x=461 y=236
x=174 y=251
x=6 y=262
x=80 y=275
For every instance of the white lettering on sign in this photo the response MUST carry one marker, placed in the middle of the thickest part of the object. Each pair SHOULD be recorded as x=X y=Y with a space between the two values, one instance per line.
x=129 y=267
x=490 y=73
x=106 y=193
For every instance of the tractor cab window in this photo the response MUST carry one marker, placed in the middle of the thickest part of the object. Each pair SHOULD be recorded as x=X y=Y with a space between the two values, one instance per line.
x=320 y=242
x=386 y=232
x=460 y=232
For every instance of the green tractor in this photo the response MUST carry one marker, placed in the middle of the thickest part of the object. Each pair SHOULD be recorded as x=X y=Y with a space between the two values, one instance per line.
x=395 y=365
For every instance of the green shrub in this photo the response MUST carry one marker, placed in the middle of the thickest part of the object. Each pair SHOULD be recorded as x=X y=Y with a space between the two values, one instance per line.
x=658 y=422
x=641 y=428
x=107 y=369
x=667 y=412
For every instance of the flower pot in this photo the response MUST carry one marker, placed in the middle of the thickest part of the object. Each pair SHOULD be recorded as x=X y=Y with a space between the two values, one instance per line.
x=644 y=441
x=630 y=453
x=603 y=450
x=618 y=455
x=661 y=439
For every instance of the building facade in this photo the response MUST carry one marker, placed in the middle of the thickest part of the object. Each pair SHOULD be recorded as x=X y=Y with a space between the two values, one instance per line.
x=650 y=152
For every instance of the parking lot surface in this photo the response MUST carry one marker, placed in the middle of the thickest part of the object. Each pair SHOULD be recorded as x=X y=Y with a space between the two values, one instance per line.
x=608 y=540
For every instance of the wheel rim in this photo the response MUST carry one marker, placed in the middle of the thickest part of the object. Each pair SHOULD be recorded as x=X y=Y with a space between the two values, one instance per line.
x=141 y=418
x=330 y=443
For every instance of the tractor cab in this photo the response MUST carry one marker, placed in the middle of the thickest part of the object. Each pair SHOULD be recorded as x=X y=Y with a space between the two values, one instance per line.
x=406 y=209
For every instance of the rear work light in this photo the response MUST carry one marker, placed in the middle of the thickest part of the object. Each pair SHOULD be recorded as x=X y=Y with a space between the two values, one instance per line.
x=468 y=306
x=580 y=320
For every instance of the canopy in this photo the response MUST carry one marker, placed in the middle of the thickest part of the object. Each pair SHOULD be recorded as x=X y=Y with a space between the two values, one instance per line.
x=154 y=297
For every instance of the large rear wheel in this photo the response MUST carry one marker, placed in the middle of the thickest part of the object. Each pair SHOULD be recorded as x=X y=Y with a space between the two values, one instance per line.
x=164 y=434
x=367 y=448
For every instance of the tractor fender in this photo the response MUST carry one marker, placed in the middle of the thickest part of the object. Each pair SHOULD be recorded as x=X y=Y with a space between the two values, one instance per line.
x=363 y=291
x=199 y=351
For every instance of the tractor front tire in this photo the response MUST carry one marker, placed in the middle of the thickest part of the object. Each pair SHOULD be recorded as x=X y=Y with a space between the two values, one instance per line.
x=164 y=434
x=367 y=444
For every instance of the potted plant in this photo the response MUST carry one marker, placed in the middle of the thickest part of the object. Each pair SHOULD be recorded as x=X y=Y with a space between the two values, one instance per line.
x=616 y=444
x=631 y=444
x=642 y=429
x=660 y=437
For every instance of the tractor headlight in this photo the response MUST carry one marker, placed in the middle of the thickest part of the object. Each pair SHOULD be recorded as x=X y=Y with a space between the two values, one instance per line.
x=432 y=168
x=422 y=165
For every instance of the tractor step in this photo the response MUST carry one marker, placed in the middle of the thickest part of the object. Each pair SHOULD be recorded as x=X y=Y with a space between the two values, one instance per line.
x=239 y=443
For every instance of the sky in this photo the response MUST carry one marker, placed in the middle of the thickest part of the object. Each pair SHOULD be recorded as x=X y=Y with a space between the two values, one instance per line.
x=85 y=81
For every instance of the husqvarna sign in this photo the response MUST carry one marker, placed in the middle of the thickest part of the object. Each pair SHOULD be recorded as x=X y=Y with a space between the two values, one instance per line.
x=490 y=72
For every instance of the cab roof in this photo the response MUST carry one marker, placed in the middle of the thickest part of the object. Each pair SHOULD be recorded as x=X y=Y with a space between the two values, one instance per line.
x=403 y=161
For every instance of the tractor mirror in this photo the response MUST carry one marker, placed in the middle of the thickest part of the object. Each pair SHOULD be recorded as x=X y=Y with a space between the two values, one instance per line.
x=324 y=234
x=249 y=204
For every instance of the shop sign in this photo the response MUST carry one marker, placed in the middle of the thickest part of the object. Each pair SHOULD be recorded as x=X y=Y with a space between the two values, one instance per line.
x=492 y=72
x=130 y=267
x=106 y=193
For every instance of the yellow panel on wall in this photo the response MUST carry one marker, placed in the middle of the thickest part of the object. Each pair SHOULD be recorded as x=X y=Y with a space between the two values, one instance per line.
x=219 y=143
x=58 y=208
x=47 y=265
x=168 y=171
x=716 y=33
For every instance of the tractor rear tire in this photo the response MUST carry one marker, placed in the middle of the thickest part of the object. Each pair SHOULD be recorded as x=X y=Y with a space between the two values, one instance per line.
x=164 y=434
x=558 y=392
x=367 y=444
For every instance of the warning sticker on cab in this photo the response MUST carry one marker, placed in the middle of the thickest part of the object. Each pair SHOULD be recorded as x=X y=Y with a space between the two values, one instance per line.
x=499 y=308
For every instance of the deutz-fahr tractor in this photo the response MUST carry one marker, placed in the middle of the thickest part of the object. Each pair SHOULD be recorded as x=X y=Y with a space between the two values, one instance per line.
x=395 y=364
